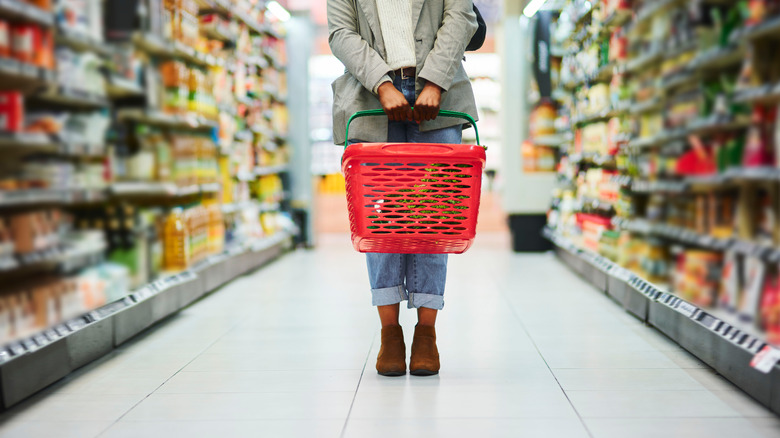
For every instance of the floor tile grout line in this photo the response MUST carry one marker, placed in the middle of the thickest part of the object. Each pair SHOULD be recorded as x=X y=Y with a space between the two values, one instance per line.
x=357 y=388
x=527 y=333
x=219 y=338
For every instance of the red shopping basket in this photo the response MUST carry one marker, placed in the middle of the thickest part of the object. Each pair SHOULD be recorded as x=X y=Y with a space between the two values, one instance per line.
x=413 y=198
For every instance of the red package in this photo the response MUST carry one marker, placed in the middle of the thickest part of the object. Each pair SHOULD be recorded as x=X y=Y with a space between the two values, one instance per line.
x=11 y=111
x=23 y=39
x=5 y=39
x=44 y=49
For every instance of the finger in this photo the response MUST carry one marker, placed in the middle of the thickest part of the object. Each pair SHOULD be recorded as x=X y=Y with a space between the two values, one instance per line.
x=400 y=114
x=394 y=114
x=408 y=112
x=426 y=113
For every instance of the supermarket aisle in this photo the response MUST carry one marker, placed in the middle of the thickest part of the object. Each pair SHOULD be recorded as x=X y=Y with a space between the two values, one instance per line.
x=527 y=350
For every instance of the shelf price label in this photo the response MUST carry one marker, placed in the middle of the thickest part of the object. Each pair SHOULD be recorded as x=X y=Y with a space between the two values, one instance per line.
x=766 y=359
x=686 y=308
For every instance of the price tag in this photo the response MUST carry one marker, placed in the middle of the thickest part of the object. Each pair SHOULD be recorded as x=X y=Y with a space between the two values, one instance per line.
x=766 y=359
x=40 y=340
x=723 y=329
x=51 y=334
x=16 y=348
x=29 y=344
x=686 y=309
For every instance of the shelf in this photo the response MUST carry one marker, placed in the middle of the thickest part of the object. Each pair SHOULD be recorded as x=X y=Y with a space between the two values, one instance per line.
x=154 y=117
x=677 y=80
x=603 y=74
x=64 y=259
x=19 y=10
x=221 y=6
x=712 y=124
x=80 y=42
x=601 y=116
x=247 y=19
x=235 y=207
x=641 y=62
x=43 y=143
x=724 y=180
x=219 y=34
x=157 y=46
x=617 y=19
x=31 y=364
x=647 y=106
x=65 y=96
x=26 y=141
x=652 y=8
x=767 y=29
x=553 y=140
x=593 y=158
x=763 y=94
x=118 y=87
x=24 y=77
x=702 y=126
x=595 y=204
x=584 y=15
x=21 y=198
x=210 y=188
x=719 y=58
x=662 y=186
x=159 y=190
x=271 y=170
x=692 y=238
x=710 y=336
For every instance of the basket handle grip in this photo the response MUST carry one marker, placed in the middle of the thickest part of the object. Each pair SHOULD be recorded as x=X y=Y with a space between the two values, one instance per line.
x=442 y=113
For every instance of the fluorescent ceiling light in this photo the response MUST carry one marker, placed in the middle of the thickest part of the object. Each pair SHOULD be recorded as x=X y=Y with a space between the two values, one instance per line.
x=278 y=11
x=533 y=7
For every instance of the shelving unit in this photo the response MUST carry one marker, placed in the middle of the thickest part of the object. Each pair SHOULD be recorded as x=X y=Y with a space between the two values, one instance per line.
x=117 y=134
x=680 y=187
x=717 y=338
x=30 y=364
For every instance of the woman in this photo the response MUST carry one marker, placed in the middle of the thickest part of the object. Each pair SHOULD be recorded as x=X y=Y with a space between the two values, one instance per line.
x=403 y=56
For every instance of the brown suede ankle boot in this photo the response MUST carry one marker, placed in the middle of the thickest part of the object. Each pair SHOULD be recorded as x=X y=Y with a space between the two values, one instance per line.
x=391 y=361
x=425 y=355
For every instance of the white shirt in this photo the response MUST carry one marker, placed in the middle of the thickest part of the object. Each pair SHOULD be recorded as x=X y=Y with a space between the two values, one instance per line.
x=395 y=21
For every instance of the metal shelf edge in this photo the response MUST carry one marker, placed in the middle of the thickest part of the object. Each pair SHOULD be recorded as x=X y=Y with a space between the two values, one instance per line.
x=34 y=367
x=717 y=342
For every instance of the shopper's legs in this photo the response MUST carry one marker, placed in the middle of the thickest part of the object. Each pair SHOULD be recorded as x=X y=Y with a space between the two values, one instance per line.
x=386 y=273
x=426 y=274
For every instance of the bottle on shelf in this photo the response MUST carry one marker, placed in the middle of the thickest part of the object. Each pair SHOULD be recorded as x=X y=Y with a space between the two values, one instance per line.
x=176 y=242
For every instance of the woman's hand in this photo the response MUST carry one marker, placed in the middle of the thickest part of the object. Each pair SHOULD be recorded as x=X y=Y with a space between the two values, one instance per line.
x=428 y=103
x=394 y=103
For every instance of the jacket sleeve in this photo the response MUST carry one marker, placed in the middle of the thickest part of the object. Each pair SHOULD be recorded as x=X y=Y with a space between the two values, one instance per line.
x=458 y=26
x=361 y=60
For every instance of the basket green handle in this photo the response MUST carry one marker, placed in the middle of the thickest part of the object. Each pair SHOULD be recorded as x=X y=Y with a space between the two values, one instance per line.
x=443 y=113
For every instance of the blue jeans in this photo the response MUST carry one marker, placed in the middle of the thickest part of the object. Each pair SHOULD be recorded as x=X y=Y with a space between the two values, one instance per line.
x=418 y=278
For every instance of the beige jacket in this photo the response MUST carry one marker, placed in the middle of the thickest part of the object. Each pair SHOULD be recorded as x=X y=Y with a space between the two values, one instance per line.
x=444 y=28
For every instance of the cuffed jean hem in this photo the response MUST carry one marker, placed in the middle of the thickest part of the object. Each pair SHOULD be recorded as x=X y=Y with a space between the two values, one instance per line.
x=388 y=295
x=429 y=301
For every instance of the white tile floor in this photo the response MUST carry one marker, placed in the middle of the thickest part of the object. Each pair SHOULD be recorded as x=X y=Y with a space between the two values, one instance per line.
x=528 y=350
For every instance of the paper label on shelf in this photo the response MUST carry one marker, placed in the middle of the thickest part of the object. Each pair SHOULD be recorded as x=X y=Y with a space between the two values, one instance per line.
x=40 y=340
x=685 y=308
x=766 y=359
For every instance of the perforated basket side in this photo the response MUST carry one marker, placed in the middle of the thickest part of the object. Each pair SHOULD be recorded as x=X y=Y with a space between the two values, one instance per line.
x=417 y=204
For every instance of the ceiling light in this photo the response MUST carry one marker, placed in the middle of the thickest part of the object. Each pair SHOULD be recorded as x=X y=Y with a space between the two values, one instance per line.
x=278 y=11
x=533 y=7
